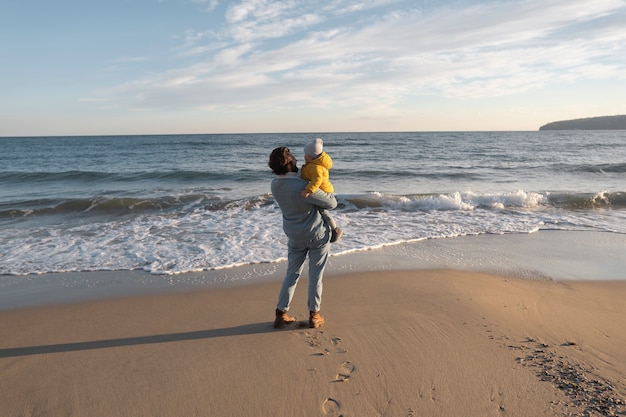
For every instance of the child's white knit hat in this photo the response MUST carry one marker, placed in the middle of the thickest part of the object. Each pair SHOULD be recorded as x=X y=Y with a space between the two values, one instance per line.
x=314 y=148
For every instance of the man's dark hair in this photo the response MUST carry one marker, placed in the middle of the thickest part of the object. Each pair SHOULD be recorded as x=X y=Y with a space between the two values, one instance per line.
x=282 y=161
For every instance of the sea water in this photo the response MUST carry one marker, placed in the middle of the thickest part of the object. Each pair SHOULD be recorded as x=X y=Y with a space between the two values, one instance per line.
x=170 y=204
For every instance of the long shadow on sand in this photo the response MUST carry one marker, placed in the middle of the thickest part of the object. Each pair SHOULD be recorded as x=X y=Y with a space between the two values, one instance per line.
x=245 y=329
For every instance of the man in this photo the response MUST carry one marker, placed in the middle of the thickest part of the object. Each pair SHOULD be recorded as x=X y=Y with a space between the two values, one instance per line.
x=307 y=233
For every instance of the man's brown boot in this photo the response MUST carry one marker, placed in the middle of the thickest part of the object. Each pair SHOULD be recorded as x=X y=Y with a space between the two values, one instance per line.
x=282 y=319
x=316 y=319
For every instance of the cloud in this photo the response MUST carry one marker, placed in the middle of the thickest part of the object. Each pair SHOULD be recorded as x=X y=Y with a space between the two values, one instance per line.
x=293 y=53
x=210 y=4
x=252 y=20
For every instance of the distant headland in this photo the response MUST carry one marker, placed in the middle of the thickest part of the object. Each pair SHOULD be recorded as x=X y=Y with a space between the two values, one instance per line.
x=589 y=123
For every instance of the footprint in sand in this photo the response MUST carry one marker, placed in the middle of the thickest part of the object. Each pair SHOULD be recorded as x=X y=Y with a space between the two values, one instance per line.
x=345 y=371
x=331 y=407
x=315 y=340
x=336 y=341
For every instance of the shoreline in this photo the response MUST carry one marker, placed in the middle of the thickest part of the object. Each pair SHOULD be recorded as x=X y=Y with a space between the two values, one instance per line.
x=552 y=255
x=405 y=343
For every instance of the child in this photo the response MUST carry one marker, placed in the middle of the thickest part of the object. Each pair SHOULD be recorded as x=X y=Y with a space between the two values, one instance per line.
x=318 y=163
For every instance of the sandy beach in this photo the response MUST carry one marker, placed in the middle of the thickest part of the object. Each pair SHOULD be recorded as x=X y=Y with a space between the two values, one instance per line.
x=397 y=343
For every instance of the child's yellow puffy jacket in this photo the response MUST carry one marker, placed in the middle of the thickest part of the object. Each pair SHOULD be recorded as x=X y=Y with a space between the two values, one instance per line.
x=316 y=173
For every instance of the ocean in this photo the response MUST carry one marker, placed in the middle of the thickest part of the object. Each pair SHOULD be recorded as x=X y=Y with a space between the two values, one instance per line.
x=171 y=204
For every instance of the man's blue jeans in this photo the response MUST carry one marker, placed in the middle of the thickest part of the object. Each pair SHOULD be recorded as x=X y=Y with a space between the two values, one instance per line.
x=318 y=252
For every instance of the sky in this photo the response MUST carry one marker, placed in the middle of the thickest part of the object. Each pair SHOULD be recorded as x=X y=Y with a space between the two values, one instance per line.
x=116 y=67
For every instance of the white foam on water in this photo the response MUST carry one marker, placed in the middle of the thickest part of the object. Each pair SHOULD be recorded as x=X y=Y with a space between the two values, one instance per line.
x=196 y=238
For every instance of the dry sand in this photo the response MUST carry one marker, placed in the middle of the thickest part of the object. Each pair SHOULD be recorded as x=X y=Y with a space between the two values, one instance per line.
x=409 y=343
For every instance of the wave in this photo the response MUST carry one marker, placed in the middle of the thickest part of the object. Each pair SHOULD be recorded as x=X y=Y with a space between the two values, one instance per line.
x=462 y=201
x=470 y=201
x=103 y=205
x=617 y=168
x=199 y=232
x=182 y=176
x=581 y=201
x=408 y=175
x=243 y=174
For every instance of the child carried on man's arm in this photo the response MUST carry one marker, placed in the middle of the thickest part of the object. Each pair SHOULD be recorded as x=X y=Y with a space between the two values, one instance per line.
x=316 y=171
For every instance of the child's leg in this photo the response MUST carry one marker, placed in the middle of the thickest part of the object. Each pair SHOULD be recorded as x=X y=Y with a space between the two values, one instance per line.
x=336 y=232
x=328 y=219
